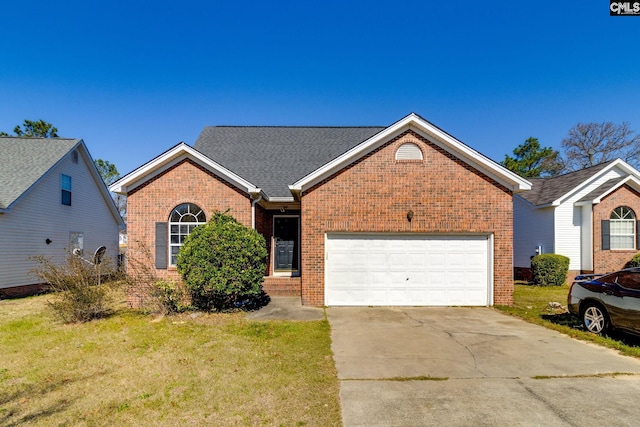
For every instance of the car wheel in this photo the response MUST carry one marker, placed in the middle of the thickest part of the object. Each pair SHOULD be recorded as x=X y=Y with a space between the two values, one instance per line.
x=594 y=318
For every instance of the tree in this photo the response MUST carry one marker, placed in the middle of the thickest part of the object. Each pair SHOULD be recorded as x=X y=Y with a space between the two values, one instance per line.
x=107 y=170
x=33 y=129
x=589 y=144
x=110 y=174
x=533 y=161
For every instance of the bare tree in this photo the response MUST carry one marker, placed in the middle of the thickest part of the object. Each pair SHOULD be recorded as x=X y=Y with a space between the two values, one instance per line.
x=589 y=144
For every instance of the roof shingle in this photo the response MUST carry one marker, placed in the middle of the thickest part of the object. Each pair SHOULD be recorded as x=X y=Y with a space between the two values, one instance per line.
x=272 y=157
x=546 y=190
x=23 y=161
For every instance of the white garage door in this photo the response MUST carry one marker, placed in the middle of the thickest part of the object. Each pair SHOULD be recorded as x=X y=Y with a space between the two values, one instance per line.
x=387 y=269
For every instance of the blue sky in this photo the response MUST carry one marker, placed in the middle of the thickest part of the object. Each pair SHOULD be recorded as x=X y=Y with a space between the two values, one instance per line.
x=135 y=78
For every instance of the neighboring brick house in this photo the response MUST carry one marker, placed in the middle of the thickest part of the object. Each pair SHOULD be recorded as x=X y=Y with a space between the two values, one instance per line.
x=398 y=215
x=590 y=216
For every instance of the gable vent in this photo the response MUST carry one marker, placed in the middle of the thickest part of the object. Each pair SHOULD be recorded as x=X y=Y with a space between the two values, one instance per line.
x=409 y=151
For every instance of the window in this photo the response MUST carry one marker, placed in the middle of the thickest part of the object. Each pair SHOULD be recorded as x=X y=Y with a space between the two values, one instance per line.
x=65 y=184
x=629 y=280
x=409 y=151
x=622 y=228
x=76 y=241
x=182 y=221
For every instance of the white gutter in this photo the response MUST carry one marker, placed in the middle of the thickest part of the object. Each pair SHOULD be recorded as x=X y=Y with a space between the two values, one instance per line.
x=253 y=207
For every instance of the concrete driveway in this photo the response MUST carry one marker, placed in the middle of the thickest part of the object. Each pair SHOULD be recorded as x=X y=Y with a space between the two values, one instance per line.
x=474 y=367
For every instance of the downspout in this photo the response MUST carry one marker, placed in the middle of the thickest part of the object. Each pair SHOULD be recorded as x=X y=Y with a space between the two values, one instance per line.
x=253 y=209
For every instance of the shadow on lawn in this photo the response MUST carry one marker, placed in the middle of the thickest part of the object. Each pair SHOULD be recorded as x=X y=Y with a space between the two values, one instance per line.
x=573 y=322
x=17 y=402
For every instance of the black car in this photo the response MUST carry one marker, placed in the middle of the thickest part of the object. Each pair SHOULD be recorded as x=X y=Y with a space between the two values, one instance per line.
x=608 y=301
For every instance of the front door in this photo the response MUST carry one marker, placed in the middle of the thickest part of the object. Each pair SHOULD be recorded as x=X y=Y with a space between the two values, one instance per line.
x=287 y=243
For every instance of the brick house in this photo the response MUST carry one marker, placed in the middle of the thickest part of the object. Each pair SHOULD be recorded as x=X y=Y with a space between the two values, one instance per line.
x=590 y=216
x=397 y=215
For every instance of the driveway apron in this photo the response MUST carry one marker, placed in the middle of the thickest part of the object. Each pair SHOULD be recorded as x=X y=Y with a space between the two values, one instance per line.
x=474 y=367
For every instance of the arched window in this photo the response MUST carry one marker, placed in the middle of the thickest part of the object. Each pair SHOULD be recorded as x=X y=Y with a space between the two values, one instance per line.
x=183 y=220
x=622 y=228
x=409 y=151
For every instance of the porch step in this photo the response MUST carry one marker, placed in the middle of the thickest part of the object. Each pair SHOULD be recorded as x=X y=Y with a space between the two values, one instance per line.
x=282 y=286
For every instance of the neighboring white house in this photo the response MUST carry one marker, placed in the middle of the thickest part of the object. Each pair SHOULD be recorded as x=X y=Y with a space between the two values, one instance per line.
x=52 y=200
x=589 y=216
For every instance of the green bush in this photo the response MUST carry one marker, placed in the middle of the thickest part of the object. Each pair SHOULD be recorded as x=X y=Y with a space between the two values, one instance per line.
x=634 y=262
x=79 y=295
x=550 y=269
x=170 y=296
x=223 y=264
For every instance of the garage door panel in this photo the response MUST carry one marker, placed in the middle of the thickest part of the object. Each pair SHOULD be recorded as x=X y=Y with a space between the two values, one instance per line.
x=417 y=260
x=436 y=259
x=456 y=260
x=378 y=297
x=379 y=269
x=396 y=260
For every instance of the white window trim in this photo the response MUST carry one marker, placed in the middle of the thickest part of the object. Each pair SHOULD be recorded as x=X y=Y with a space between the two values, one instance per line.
x=626 y=217
x=171 y=245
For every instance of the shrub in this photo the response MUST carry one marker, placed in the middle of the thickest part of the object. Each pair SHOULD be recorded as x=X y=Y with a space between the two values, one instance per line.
x=633 y=262
x=550 y=269
x=170 y=296
x=79 y=295
x=222 y=264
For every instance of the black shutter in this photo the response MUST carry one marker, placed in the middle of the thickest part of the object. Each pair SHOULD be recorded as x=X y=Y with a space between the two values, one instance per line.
x=637 y=235
x=161 y=245
x=606 y=235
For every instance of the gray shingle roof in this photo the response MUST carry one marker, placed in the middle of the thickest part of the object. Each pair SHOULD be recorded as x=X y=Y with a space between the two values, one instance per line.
x=23 y=161
x=602 y=189
x=273 y=157
x=546 y=190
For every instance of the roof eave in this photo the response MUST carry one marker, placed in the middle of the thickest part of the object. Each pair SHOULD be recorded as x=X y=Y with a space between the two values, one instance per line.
x=545 y=205
x=172 y=157
x=618 y=162
x=629 y=180
x=78 y=142
x=102 y=187
x=500 y=174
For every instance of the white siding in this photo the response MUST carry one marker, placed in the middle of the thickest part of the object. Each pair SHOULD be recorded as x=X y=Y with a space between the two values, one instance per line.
x=587 y=238
x=568 y=233
x=39 y=215
x=531 y=228
x=574 y=225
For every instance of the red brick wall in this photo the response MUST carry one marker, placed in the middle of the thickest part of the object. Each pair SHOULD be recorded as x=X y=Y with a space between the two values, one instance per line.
x=375 y=193
x=605 y=261
x=185 y=182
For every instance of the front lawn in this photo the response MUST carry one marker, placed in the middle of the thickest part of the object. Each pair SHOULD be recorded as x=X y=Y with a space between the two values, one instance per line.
x=188 y=370
x=531 y=303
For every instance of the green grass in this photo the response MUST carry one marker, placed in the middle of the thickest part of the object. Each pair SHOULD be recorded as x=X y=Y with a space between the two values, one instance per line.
x=188 y=370
x=531 y=303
